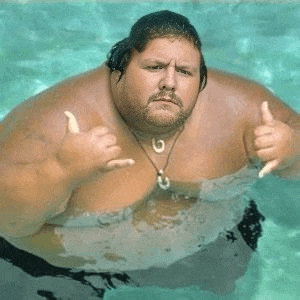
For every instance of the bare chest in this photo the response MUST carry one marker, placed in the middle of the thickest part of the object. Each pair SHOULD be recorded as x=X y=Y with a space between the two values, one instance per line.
x=193 y=158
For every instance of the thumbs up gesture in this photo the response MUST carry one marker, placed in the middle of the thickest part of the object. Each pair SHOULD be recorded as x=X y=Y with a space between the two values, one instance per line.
x=274 y=142
x=86 y=153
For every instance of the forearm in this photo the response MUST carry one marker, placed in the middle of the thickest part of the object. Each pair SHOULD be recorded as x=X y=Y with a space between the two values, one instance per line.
x=30 y=195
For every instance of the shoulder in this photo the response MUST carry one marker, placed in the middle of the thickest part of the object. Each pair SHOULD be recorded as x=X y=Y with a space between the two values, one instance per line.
x=40 y=123
x=247 y=95
x=240 y=100
x=79 y=94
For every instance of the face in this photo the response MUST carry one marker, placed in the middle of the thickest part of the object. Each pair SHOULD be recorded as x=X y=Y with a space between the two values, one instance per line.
x=160 y=86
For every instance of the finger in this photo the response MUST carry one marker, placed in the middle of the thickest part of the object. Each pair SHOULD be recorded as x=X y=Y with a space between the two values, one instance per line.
x=107 y=140
x=264 y=142
x=266 y=114
x=73 y=126
x=110 y=153
x=119 y=164
x=263 y=130
x=99 y=131
x=270 y=166
x=267 y=154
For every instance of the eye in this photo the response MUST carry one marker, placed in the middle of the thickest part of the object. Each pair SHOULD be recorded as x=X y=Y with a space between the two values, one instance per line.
x=185 y=72
x=154 y=67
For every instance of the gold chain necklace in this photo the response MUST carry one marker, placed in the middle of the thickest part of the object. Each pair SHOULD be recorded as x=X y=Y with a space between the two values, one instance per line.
x=158 y=146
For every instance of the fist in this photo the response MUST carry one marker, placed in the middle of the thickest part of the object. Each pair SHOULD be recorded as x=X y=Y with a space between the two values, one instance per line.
x=87 y=153
x=274 y=142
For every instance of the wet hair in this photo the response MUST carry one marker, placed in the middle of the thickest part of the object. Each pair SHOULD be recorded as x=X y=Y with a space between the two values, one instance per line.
x=155 y=25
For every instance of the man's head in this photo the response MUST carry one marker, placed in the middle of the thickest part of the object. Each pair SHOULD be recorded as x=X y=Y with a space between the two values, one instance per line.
x=155 y=25
x=157 y=73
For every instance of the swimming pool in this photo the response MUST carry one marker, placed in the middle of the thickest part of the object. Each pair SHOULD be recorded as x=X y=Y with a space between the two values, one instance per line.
x=44 y=43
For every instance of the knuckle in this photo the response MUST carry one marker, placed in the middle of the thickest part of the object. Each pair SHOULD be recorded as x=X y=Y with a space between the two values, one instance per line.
x=257 y=142
x=112 y=138
x=109 y=157
x=108 y=140
x=117 y=149
x=99 y=130
x=105 y=141
x=113 y=151
x=263 y=155
x=260 y=143
x=116 y=165
x=260 y=154
x=258 y=130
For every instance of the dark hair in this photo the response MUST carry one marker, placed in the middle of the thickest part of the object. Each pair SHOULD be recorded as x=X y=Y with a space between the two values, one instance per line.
x=155 y=25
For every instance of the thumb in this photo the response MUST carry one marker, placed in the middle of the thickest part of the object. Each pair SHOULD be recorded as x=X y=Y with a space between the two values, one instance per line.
x=267 y=116
x=73 y=126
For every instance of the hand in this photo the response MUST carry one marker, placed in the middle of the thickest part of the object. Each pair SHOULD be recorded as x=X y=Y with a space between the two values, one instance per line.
x=274 y=142
x=86 y=153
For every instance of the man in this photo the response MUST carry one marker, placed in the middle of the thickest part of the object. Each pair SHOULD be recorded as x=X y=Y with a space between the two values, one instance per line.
x=135 y=166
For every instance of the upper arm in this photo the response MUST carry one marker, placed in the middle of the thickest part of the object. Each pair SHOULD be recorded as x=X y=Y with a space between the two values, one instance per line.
x=245 y=97
x=35 y=128
x=30 y=135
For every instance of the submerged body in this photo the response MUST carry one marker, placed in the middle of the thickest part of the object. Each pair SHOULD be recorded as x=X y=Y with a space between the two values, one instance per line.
x=205 y=150
x=121 y=220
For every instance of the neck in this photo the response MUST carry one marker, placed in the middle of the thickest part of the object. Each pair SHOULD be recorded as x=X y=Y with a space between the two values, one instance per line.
x=144 y=136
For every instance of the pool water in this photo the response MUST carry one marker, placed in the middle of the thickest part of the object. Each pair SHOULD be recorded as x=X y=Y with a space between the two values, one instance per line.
x=42 y=44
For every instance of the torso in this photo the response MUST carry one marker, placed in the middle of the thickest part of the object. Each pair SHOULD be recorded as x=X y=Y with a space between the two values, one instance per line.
x=211 y=146
x=205 y=149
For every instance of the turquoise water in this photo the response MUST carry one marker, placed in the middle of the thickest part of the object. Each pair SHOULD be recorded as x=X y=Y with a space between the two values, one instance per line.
x=44 y=43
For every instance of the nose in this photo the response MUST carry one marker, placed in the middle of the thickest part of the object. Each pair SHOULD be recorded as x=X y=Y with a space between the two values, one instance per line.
x=168 y=80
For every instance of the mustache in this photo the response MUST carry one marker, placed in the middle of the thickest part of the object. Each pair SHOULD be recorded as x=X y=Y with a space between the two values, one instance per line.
x=168 y=95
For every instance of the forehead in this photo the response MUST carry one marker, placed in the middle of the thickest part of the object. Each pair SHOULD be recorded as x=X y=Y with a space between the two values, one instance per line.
x=167 y=49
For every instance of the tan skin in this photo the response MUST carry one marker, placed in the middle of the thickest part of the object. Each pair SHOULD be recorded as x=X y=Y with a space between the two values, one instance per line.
x=50 y=168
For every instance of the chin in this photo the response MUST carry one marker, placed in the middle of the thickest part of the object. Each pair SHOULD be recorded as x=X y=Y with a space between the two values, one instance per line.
x=164 y=121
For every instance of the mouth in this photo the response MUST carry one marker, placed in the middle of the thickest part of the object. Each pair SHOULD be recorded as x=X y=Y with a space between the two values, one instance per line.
x=166 y=100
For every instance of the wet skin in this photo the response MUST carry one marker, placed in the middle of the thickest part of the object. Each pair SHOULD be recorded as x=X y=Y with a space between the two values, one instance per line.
x=217 y=139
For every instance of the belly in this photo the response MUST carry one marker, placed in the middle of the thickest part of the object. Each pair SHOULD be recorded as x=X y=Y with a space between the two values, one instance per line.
x=155 y=233
x=149 y=235
x=141 y=232
x=123 y=188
